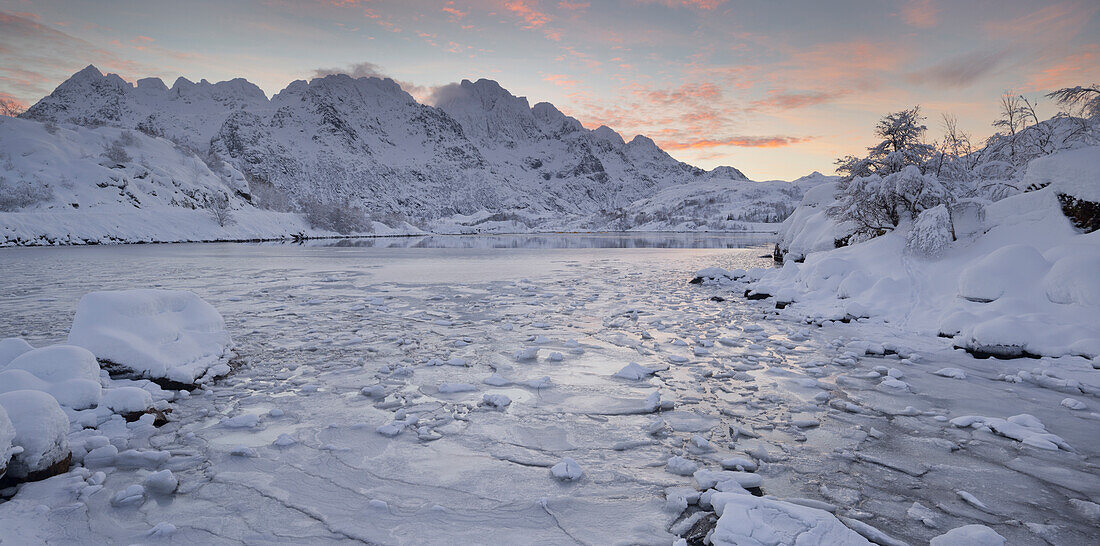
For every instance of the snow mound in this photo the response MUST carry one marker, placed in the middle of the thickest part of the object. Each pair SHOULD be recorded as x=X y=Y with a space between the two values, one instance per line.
x=11 y=347
x=156 y=334
x=993 y=275
x=68 y=373
x=41 y=430
x=1023 y=428
x=969 y=535
x=745 y=519
x=1070 y=173
x=567 y=470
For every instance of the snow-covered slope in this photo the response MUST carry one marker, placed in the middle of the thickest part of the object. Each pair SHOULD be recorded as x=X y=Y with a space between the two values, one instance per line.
x=481 y=160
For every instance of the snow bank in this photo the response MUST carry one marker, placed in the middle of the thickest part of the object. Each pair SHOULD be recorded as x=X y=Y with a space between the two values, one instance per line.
x=156 y=334
x=41 y=430
x=1024 y=283
x=745 y=519
x=1072 y=173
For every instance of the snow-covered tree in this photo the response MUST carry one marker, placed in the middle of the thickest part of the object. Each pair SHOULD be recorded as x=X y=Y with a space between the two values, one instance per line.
x=895 y=182
x=221 y=210
x=1080 y=101
x=931 y=232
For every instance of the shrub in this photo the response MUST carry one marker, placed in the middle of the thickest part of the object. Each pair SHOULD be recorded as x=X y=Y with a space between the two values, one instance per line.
x=343 y=217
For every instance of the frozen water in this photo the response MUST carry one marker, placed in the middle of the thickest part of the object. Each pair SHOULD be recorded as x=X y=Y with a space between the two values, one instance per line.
x=334 y=344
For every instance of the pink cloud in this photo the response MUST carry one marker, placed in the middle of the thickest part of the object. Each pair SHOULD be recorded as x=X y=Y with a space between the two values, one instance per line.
x=1055 y=23
x=560 y=80
x=573 y=6
x=1075 y=69
x=696 y=4
x=527 y=10
x=739 y=141
x=920 y=13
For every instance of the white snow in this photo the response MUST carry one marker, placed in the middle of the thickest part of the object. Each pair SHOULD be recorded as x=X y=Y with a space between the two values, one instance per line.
x=170 y=334
x=567 y=470
x=681 y=466
x=41 y=430
x=1024 y=283
x=969 y=535
x=745 y=519
x=465 y=165
x=70 y=374
x=11 y=347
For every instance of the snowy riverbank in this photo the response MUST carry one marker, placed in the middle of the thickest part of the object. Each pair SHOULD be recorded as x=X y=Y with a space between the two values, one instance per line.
x=396 y=395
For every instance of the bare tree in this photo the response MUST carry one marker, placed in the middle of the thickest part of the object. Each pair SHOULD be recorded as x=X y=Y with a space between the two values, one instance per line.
x=220 y=210
x=11 y=107
x=1013 y=119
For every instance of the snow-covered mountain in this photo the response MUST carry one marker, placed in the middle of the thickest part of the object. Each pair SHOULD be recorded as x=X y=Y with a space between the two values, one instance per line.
x=480 y=157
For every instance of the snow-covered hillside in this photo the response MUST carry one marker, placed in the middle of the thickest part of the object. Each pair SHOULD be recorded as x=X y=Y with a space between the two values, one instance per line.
x=1019 y=278
x=102 y=160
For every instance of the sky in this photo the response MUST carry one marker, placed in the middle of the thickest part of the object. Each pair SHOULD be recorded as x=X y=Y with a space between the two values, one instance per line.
x=775 y=88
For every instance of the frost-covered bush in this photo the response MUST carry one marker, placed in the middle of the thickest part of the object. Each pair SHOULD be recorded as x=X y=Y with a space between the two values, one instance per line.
x=116 y=152
x=931 y=233
x=19 y=194
x=343 y=218
x=221 y=210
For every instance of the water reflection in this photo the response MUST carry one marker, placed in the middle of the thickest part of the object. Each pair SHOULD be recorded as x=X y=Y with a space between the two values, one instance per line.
x=562 y=240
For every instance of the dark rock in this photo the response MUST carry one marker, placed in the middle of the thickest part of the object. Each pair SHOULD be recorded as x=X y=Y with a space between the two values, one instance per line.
x=750 y=295
x=1085 y=215
x=717 y=298
x=60 y=467
x=782 y=304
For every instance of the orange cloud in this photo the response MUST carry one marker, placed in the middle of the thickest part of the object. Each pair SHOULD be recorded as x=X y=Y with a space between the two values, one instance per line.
x=453 y=11
x=739 y=141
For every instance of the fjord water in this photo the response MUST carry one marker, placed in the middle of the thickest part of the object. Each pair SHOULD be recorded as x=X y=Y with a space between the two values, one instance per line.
x=338 y=338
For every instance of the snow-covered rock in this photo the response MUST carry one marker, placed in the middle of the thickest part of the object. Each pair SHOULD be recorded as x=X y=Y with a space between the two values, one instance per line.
x=156 y=334
x=7 y=434
x=745 y=519
x=11 y=347
x=969 y=535
x=567 y=470
x=68 y=373
x=41 y=430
